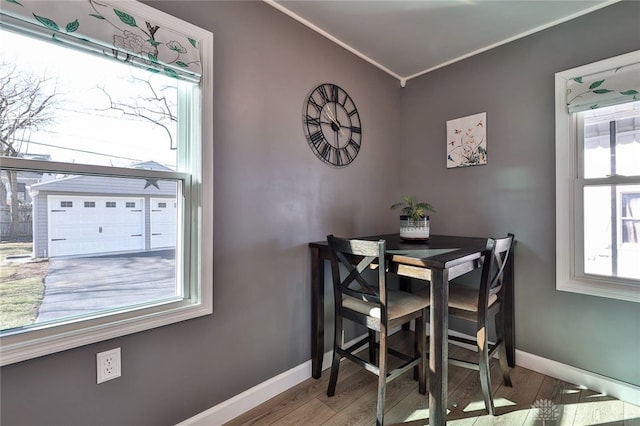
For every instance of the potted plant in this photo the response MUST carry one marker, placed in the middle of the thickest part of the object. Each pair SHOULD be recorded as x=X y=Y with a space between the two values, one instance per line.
x=414 y=218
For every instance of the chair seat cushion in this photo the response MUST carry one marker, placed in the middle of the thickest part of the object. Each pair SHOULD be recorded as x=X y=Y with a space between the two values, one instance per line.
x=461 y=297
x=399 y=303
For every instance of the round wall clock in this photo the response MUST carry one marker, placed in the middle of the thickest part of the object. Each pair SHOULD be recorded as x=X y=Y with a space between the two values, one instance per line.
x=332 y=125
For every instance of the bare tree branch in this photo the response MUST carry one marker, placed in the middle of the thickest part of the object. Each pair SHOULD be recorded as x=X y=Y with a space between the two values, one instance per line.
x=153 y=106
x=26 y=104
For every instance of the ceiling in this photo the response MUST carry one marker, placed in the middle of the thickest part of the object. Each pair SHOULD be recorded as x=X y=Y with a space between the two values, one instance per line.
x=408 y=38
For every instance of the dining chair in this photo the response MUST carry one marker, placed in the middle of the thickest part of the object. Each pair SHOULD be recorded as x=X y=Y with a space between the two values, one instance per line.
x=361 y=295
x=478 y=305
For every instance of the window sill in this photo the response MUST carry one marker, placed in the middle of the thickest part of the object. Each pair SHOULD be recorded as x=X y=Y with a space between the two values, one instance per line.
x=36 y=343
x=601 y=288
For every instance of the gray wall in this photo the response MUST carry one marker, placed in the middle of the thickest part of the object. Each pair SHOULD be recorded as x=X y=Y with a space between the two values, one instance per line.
x=272 y=196
x=515 y=191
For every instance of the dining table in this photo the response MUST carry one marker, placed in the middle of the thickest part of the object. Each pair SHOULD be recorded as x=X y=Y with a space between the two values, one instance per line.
x=438 y=260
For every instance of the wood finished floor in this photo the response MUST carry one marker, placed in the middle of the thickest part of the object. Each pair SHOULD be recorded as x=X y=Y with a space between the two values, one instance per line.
x=355 y=400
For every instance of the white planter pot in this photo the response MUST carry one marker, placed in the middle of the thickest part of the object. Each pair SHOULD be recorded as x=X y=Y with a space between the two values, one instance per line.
x=414 y=229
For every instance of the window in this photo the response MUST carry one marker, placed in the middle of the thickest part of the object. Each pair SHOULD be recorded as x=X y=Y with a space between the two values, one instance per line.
x=598 y=178
x=630 y=217
x=94 y=149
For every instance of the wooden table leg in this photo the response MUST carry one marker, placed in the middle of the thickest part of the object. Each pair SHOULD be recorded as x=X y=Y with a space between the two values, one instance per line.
x=317 y=313
x=509 y=311
x=404 y=284
x=438 y=347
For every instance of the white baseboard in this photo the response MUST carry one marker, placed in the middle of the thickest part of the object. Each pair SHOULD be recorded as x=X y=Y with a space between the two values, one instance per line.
x=596 y=382
x=251 y=398
x=245 y=401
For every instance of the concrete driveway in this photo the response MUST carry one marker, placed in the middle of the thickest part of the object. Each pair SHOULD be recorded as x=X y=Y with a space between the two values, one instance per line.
x=83 y=285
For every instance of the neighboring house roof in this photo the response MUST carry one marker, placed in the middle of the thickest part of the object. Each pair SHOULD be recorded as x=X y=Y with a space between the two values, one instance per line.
x=81 y=184
x=150 y=165
x=45 y=157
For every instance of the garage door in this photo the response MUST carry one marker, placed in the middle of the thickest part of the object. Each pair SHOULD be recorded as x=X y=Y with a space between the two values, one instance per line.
x=84 y=225
x=163 y=222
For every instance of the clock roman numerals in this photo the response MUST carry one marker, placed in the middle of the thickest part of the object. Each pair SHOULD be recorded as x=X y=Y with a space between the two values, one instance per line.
x=325 y=151
x=334 y=93
x=316 y=105
x=353 y=146
x=317 y=138
x=328 y=93
x=313 y=121
x=332 y=125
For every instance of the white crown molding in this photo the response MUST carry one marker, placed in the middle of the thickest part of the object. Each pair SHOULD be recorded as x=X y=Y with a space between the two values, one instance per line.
x=337 y=41
x=403 y=80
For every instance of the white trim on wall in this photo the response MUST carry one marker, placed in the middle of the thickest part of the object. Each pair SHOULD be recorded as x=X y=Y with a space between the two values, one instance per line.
x=403 y=79
x=251 y=398
x=570 y=275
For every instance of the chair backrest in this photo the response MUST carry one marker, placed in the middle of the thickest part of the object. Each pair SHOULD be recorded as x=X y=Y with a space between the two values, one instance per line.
x=357 y=256
x=496 y=256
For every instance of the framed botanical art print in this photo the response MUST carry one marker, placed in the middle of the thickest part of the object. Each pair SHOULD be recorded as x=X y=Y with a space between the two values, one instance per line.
x=467 y=141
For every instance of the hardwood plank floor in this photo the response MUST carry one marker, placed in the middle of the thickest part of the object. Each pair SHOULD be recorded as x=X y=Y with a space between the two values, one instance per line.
x=525 y=403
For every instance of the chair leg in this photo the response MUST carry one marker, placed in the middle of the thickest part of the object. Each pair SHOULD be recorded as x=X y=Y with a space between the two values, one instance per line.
x=382 y=378
x=502 y=350
x=335 y=363
x=372 y=346
x=416 y=350
x=421 y=341
x=485 y=373
x=333 y=379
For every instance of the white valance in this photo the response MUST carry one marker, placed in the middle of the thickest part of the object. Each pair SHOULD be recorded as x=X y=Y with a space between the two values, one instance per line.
x=107 y=28
x=606 y=88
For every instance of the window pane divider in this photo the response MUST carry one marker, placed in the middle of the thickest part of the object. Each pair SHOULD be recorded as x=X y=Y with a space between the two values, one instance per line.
x=21 y=164
x=609 y=180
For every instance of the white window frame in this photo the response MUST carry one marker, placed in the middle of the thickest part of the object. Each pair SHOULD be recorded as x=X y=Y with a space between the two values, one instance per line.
x=570 y=274
x=40 y=342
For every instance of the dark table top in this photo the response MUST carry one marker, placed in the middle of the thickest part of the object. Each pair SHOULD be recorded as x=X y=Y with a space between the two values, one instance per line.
x=440 y=251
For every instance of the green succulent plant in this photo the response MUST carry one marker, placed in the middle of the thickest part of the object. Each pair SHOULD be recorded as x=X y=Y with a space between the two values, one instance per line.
x=413 y=208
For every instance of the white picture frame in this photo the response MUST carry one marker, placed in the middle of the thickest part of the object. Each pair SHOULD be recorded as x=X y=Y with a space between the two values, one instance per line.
x=467 y=141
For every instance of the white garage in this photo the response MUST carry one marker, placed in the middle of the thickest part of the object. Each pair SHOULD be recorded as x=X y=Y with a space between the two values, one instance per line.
x=84 y=225
x=163 y=222
x=84 y=215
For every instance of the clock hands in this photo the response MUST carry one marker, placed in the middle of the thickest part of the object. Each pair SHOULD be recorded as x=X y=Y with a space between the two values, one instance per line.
x=330 y=109
x=335 y=125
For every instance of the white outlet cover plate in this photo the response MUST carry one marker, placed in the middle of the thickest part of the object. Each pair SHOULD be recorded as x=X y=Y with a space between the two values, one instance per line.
x=108 y=365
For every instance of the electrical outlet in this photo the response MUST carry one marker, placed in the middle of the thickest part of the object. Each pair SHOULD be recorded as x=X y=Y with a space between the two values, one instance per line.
x=108 y=365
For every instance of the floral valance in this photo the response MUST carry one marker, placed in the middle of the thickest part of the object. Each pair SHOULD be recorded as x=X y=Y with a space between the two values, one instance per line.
x=107 y=28
x=605 y=88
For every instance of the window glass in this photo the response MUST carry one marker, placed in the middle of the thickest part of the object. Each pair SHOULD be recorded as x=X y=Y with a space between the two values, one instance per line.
x=99 y=113
x=631 y=217
x=611 y=149
x=597 y=157
x=102 y=112
x=612 y=141
x=116 y=137
x=611 y=229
